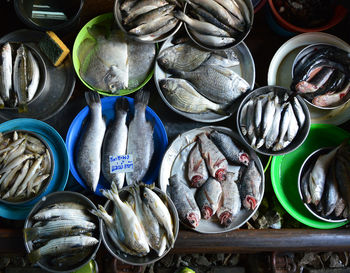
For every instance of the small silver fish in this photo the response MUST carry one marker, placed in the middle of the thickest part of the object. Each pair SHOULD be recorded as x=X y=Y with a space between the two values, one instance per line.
x=6 y=72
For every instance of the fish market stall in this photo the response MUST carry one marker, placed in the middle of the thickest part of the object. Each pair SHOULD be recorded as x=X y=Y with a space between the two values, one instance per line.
x=274 y=218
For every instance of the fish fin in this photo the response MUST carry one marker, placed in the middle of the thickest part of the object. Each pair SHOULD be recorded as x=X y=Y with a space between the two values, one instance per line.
x=122 y=104
x=92 y=97
x=142 y=97
x=34 y=256
x=30 y=234
x=151 y=186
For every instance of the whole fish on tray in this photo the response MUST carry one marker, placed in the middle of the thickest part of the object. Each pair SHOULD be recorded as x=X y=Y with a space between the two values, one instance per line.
x=196 y=169
x=249 y=187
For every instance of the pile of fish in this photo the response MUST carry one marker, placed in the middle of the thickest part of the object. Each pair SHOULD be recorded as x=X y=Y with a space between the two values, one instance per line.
x=322 y=76
x=19 y=76
x=219 y=191
x=216 y=23
x=140 y=223
x=98 y=143
x=25 y=166
x=149 y=19
x=325 y=184
x=272 y=120
x=110 y=61
x=201 y=80
x=64 y=234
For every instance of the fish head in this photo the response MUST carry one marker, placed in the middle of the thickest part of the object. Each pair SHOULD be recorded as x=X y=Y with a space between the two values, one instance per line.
x=249 y=202
x=193 y=219
x=165 y=59
x=196 y=181
x=220 y=175
x=115 y=79
x=207 y=212
x=225 y=218
x=244 y=158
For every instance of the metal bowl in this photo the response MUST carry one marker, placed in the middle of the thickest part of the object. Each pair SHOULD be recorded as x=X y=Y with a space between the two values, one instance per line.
x=152 y=256
x=47 y=181
x=309 y=163
x=53 y=198
x=246 y=70
x=306 y=50
x=144 y=38
x=174 y=161
x=42 y=70
x=239 y=40
x=302 y=133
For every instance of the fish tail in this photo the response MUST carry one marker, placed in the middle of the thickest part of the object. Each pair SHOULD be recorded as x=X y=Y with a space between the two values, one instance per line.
x=180 y=15
x=122 y=104
x=22 y=108
x=142 y=97
x=34 y=256
x=30 y=234
x=92 y=98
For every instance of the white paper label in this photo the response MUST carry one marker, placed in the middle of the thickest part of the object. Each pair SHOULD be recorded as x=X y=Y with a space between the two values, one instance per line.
x=121 y=164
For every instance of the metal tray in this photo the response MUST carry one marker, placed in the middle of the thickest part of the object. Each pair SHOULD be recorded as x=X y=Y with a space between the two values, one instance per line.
x=174 y=162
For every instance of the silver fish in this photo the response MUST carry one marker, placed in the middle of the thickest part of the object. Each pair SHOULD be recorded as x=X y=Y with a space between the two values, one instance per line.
x=304 y=186
x=16 y=162
x=6 y=72
x=244 y=9
x=250 y=117
x=183 y=57
x=184 y=202
x=197 y=172
x=331 y=191
x=23 y=173
x=152 y=26
x=232 y=7
x=231 y=202
x=220 y=85
x=208 y=197
x=62 y=245
x=115 y=142
x=243 y=119
x=250 y=187
x=143 y=7
x=62 y=213
x=160 y=211
x=60 y=228
x=33 y=74
x=70 y=259
x=169 y=25
x=272 y=135
x=20 y=78
x=299 y=112
x=128 y=4
x=285 y=120
x=229 y=149
x=181 y=95
x=140 y=139
x=212 y=40
x=8 y=177
x=331 y=98
x=216 y=59
x=37 y=184
x=258 y=109
x=88 y=156
x=215 y=160
x=269 y=111
x=293 y=126
x=16 y=152
x=201 y=27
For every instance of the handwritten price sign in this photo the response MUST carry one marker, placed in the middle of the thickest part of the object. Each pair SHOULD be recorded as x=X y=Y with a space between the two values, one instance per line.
x=121 y=164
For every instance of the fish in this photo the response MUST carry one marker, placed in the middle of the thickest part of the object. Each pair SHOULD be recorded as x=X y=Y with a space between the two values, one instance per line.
x=331 y=192
x=250 y=117
x=151 y=15
x=20 y=178
x=231 y=6
x=230 y=204
x=88 y=154
x=269 y=111
x=293 y=127
x=127 y=5
x=331 y=98
x=272 y=135
x=183 y=96
x=284 y=124
x=70 y=259
x=170 y=24
x=184 y=201
x=218 y=84
x=317 y=178
x=249 y=187
x=37 y=184
x=304 y=186
x=115 y=142
x=16 y=162
x=20 y=78
x=208 y=197
x=299 y=112
x=243 y=119
x=220 y=13
x=128 y=223
x=213 y=40
x=215 y=160
x=140 y=139
x=142 y=7
x=258 y=109
x=318 y=77
x=104 y=64
x=201 y=27
x=197 y=172
x=226 y=62
x=33 y=74
x=228 y=148
x=141 y=58
x=62 y=211
x=160 y=211
x=16 y=152
x=244 y=10
x=182 y=57
x=8 y=177
x=152 y=26
x=62 y=245
x=6 y=72
x=59 y=228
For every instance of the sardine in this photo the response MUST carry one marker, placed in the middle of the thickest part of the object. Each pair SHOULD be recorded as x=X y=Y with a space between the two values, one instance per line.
x=184 y=202
x=285 y=120
x=181 y=95
x=16 y=162
x=272 y=135
x=62 y=213
x=37 y=184
x=231 y=203
x=62 y=245
x=23 y=173
x=218 y=84
x=212 y=40
x=331 y=190
x=33 y=74
x=293 y=127
x=208 y=197
x=7 y=179
x=127 y=5
x=249 y=187
x=269 y=111
x=232 y=7
x=115 y=141
x=182 y=57
x=229 y=149
x=140 y=139
x=16 y=152
x=170 y=24
x=250 y=117
x=6 y=72
x=243 y=119
x=20 y=78
x=160 y=211
x=142 y=7
x=299 y=112
x=88 y=156
x=226 y=62
x=152 y=26
x=197 y=172
x=215 y=160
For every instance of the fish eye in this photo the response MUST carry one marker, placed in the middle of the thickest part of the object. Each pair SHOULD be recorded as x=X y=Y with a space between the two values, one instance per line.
x=112 y=86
